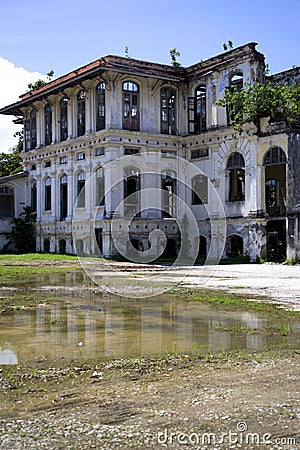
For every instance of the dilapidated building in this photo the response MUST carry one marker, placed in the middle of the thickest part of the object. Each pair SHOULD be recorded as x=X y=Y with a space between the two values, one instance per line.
x=113 y=150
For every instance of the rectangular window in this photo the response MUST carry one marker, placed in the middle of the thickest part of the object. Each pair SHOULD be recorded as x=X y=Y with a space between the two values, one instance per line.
x=80 y=194
x=27 y=135
x=191 y=115
x=47 y=163
x=100 y=188
x=168 y=153
x=199 y=190
x=48 y=198
x=99 y=151
x=80 y=156
x=33 y=166
x=6 y=202
x=200 y=153
x=63 y=160
x=132 y=151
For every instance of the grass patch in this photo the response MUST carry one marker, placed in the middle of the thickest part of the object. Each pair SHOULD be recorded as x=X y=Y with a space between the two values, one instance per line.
x=36 y=257
x=18 y=275
x=224 y=299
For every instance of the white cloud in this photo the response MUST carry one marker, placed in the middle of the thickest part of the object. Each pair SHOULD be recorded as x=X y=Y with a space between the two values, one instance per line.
x=13 y=83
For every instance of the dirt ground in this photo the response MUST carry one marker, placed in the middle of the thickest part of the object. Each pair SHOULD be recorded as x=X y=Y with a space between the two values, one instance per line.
x=246 y=401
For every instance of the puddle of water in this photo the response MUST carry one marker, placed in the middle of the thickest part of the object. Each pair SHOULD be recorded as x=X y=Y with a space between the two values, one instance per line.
x=88 y=326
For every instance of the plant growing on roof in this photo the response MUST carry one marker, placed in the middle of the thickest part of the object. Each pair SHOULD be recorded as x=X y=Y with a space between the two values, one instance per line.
x=174 y=54
x=39 y=83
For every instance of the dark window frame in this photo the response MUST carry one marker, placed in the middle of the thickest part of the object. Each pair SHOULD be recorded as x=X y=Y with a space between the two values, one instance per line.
x=48 y=124
x=63 y=104
x=81 y=190
x=48 y=194
x=131 y=106
x=197 y=113
x=100 y=106
x=236 y=169
x=7 y=197
x=168 y=111
x=63 y=197
x=81 y=110
x=199 y=190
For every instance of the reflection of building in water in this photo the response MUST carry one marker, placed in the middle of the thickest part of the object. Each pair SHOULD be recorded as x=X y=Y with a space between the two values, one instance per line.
x=120 y=327
x=254 y=338
x=7 y=356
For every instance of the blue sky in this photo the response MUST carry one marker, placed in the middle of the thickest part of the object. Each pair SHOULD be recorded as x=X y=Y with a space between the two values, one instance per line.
x=65 y=34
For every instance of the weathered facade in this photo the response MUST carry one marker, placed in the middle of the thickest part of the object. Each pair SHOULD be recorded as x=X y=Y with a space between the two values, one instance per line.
x=79 y=126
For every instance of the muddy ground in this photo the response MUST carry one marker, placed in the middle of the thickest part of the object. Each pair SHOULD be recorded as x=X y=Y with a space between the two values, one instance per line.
x=179 y=403
x=236 y=400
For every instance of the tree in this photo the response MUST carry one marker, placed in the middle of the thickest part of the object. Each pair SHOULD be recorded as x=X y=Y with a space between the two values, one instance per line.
x=10 y=163
x=23 y=231
x=257 y=100
x=39 y=83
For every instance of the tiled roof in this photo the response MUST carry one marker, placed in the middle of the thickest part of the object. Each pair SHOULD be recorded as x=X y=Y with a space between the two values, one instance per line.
x=130 y=66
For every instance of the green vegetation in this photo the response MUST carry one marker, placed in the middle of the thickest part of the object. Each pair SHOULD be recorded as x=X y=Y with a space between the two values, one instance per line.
x=174 y=54
x=279 y=102
x=224 y=299
x=39 y=83
x=23 y=231
x=10 y=163
x=21 y=259
x=15 y=269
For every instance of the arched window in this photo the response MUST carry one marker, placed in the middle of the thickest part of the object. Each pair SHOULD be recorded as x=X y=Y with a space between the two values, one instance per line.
x=7 y=201
x=100 y=106
x=132 y=186
x=169 y=190
x=236 y=83
x=48 y=124
x=63 y=197
x=131 y=111
x=197 y=111
x=236 y=168
x=274 y=156
x=33 y=195
x=100 y=189
x=63 y=104
x=48 y=194
x=234 y=246
x=81 y=96
x=168 y=110
x=199 y=190
x=275 y=181
x=81 y=190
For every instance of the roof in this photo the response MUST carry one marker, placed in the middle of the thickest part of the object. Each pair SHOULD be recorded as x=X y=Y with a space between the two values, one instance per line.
x=14 y=176
x=129 y=66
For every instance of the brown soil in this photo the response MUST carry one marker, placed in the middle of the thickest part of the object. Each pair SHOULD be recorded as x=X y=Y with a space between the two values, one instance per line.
x=126 y=404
